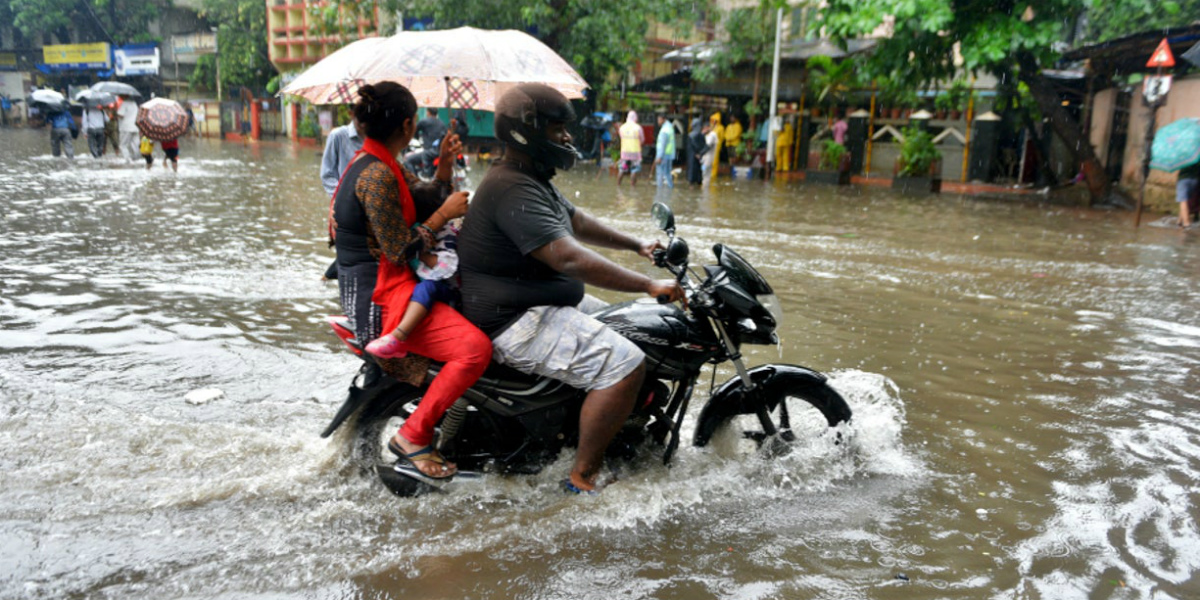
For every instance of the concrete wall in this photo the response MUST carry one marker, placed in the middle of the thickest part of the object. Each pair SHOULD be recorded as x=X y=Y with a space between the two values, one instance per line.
x=1100 y=130
x=1182 y=102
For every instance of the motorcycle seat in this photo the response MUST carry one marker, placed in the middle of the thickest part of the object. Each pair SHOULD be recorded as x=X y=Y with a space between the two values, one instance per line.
x=500 y=378
x=505 y=378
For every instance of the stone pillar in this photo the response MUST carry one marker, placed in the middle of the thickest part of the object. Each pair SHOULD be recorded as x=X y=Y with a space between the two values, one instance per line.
x=984 y=141
x=807 y=127
x=255 y=119
x=920 y=120
x=856 y=140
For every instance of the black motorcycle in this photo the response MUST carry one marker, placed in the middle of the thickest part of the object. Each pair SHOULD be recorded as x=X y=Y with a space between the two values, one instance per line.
x=510 y=422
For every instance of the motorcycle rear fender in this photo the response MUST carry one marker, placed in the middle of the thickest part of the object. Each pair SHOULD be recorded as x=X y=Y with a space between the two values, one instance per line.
x=772 y=384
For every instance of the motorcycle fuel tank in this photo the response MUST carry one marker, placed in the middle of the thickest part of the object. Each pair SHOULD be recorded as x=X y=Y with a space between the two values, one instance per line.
x=672 y=340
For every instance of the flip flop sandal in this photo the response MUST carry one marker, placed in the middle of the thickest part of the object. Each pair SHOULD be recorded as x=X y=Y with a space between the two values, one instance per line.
x=425 y=454
x=571 y=488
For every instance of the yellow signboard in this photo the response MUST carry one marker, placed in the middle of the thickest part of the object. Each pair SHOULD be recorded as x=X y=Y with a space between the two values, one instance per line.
x=8 y=60
x=77 y=54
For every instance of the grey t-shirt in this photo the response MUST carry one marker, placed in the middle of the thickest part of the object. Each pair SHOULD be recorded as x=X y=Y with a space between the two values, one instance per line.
x=513 y=212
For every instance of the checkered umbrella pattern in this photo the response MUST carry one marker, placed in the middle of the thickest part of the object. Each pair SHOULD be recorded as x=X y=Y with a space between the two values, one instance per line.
x=162 y=119
x=454 y=68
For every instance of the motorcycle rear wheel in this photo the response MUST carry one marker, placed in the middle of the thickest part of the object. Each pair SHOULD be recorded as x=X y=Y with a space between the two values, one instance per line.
x=375 y=426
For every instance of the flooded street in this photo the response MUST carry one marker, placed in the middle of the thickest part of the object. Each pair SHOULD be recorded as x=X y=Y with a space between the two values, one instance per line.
x=1024 y=380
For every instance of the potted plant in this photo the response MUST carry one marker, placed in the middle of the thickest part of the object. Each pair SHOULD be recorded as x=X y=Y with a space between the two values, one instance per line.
x=744 y=158
x=308 y=130
x=833 y=166
x=918 y=168
x=943 y=103
x=957 y=96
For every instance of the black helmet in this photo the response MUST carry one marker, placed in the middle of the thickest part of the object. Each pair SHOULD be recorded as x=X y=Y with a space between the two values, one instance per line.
x=522 y=115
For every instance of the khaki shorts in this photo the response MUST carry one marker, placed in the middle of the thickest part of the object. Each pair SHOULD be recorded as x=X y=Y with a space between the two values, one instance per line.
x=565 y=344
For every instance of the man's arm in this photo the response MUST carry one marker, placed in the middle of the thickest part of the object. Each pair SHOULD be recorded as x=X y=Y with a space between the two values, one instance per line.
x=569 y=257
x=592 y=231
x=329 y=163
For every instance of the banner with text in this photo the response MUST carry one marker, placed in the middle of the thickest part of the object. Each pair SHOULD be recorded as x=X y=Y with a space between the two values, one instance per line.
x=62 y=57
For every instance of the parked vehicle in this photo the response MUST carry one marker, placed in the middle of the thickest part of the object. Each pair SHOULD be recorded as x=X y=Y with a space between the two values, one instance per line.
x=513 y=423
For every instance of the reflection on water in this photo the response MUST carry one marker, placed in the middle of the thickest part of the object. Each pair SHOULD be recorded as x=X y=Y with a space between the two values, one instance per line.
x=1023 y=378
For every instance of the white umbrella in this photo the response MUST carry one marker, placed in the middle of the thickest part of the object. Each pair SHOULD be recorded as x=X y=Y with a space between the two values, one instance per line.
x=116 y=88
x=47 y=97
x=456 y=68
x=91 y=97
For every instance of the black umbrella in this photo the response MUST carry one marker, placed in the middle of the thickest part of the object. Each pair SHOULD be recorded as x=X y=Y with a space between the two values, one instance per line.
x=1193 y=55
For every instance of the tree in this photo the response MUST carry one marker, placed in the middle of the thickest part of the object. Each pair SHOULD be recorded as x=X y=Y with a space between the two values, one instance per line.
x=1003 y=37
x=751 y=39
x=833 y=81
x=115 y=21
x=242 y=43
x=596 y=37
x=1110 y=19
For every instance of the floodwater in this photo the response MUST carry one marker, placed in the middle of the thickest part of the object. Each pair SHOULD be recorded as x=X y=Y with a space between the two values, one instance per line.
x=1023 y=378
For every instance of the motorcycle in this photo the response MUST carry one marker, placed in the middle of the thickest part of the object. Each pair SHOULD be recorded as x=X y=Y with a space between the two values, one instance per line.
x=512 y=423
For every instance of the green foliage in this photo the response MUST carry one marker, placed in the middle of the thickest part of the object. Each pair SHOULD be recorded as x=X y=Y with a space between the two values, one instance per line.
x=127 y=21
x=958 y=95
x=1109 y=19
x=308 y=127
x=917 y=153
x=205 y=73
x=339 y=18
x=833 y=81
x=943 y=102
x=991 y=34
x=242 y=42
x=831 y=155
x=752 y=109
x=751 y=39
x=595 y=37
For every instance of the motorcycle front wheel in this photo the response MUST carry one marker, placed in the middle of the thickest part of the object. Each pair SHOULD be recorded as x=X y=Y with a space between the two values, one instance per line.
x=788 y=406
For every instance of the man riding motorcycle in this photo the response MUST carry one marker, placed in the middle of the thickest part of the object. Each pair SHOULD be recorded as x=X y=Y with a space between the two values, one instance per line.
x=430 y=131
x=523 y=271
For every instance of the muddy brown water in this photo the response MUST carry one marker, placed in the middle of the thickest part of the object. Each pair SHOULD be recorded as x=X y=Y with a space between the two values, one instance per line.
x=1023 y=376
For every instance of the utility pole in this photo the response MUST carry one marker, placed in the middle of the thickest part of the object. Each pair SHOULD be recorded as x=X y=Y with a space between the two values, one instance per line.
x=774 y=93
x=217 y=55
x=1155 y=89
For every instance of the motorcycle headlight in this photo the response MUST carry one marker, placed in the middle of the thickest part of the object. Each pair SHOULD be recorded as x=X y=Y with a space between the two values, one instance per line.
x=771 y=303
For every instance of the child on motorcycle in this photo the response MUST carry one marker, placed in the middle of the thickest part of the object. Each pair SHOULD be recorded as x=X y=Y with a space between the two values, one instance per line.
x=435 y=262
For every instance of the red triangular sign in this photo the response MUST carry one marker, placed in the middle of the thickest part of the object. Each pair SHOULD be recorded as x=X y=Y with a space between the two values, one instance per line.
x=1162 y=56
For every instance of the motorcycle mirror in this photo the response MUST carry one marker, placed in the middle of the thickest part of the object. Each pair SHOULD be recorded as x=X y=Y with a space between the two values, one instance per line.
x=663 y=217
x=677 y=252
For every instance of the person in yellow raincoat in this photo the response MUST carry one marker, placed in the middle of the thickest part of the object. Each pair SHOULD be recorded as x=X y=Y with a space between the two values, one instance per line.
x=733 y=137
x=783 y=148
x=716 y=127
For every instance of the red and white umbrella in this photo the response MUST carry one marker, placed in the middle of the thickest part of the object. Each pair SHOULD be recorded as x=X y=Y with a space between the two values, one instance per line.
x=161 y=119
x=455 y=68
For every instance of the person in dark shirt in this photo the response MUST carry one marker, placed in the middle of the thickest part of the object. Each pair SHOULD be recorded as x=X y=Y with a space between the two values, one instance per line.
x=695 y=149
x=523 y=271
x=430 y=131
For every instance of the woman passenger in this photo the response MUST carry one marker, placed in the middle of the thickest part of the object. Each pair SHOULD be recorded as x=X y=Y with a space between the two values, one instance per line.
x=378 y=210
